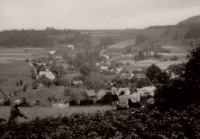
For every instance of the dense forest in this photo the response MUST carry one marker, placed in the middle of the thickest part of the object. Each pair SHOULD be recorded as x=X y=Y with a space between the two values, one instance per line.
x=193 y=32
x=34 y=38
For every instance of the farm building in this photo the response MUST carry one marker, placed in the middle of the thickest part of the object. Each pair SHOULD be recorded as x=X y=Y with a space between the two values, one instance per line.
x=90 y=94
x=47 y=74
x=101 y=93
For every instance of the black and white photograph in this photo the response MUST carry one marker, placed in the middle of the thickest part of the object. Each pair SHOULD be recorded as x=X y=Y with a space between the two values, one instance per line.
x=99 y=69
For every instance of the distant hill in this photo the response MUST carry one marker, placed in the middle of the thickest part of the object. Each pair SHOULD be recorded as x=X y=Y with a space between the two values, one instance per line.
x=190 y=21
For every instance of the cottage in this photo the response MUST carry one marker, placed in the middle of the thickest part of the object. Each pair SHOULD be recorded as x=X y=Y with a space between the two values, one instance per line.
x=90 y=94
x=101 y=93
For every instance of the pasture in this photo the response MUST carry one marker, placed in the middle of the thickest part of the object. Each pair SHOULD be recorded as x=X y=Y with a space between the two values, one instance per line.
x=41 y=93
x=122 y=44
x=13 y=72
x=44 y=112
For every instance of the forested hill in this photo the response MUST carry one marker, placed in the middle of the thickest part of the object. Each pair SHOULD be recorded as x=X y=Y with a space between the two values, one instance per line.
x=34 y=38
x=190 y=21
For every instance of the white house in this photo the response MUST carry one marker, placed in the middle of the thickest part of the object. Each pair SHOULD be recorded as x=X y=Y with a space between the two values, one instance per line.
x=71 y=46
x=52 y=52
x=105 y=55
x=103 y=68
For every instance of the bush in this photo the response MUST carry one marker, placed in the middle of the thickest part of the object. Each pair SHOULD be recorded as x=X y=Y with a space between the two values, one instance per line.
x=105 y=100
x=143 y=124
x=73 y=103
x=86 y=102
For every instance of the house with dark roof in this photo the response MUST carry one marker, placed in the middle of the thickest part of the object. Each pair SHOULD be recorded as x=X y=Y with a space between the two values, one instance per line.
x=90 y=94
x=101 y=93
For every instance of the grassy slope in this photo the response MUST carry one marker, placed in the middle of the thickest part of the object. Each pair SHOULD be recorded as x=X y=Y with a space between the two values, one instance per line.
x=43 y=112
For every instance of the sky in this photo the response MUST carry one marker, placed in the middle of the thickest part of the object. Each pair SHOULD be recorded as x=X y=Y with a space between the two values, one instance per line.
x=94 y=14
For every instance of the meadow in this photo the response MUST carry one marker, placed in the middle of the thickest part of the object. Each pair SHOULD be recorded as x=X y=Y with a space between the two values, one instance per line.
x=44 y=112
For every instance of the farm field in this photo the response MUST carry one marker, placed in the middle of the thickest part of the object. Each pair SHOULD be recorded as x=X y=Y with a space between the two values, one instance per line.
x=44 y=112
x=13 y=72
x=164 y=65
x=41 y=93
x=123 y=44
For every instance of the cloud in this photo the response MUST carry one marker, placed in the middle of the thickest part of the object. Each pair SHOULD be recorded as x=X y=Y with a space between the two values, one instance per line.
x=94 y=13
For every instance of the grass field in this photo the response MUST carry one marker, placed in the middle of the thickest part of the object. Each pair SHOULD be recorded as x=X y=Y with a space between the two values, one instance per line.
x=123 y=44
x=43 y=112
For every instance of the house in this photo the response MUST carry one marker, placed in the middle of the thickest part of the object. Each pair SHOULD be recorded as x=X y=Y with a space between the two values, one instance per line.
x=71 y=46
x=101 y=93
x=151 y=53
x=52 y=52
x=97 y=64
x=105 y=68
x=105 y=55
x=90 y=94
x=47 y=74
x=140 y=75
x=77 y=82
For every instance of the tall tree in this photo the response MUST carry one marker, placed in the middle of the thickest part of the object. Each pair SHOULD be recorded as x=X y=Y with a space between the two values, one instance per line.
x=153 y=72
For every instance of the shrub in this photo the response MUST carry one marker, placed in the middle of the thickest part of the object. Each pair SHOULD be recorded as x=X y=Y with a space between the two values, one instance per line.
x=73 y=102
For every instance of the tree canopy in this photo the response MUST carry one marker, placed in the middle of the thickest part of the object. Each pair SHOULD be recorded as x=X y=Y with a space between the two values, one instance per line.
x=153 y=72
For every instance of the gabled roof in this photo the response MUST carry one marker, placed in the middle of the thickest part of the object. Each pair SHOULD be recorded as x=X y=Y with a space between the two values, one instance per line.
x=90 y=93
x=102 y=92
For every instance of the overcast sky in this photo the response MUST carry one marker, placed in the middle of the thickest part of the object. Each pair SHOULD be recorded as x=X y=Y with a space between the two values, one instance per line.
x=94 y=14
